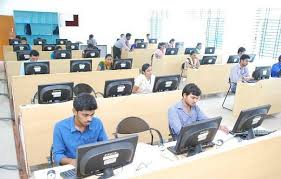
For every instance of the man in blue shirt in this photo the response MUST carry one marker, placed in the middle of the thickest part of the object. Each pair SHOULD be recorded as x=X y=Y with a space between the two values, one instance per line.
x=186 y=111
x=276 y=69
x=82 y=128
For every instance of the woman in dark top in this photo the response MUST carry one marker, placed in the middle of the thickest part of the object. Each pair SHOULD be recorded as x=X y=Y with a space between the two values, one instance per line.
x=106 y=64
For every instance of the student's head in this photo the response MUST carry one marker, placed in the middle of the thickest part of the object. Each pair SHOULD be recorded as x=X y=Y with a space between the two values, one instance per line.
x=244 y=59
x=146 y=70
x=18 y=37
x=161 y=45
x=58 y=48
x=121 y=35
x=23 y=40
x=128 y=36
x=108 y=59
x=172 y=41
x=84 y=106
x=90 y=46
x=34 y=55
x=241 y=51
x=193 y=55
x=148 y=36
x=279 y=59
x=191 y=94
x=199 y=45
x=91 y=36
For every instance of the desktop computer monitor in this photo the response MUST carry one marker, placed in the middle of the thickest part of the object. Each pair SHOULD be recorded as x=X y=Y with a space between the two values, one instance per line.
x=62 y=54
x=48 y=47
x=103 y=157
x=152 y=41
x=196 y=134
x=179 y=45
x=166 y=83
x=141 y=45
x=80 y=65
x=210 y=50
x=93 y=53
x=120 y=87
x=208 y=60
x=252 y=57
x=14 y=41
x=139 y=40
x=18 y=47
x=34 y=68
x=171 y=51
x=249 y=119
x=188 y=51
x=55 y=93
x=262 y=72
x=23 y=55
x=72 y=46
x=61 y=41
x=39 y=41
x=121 y=64
x=233 y=59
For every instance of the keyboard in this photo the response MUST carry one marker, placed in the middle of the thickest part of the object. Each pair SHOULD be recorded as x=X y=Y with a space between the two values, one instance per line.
x=69 y=174
x=250 y=81
x=257 y=133
x=204 y=145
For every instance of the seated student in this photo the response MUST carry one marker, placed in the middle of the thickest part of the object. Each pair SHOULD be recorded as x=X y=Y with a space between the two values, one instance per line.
x=276 y=69
x=186 y=111
x=53 y=53
x=240 y=72
x=133 y=46
x=147 y=38
x=91 y=47
x=81 y=128
x=171 y=44
x=241 y=51
x=160 y=52
x=144 y=82
x=192 y=61
x=24 y=41
x=91 y=40
x=198 y=48
x=34 y=56
x=122 y=43
x=106 y=64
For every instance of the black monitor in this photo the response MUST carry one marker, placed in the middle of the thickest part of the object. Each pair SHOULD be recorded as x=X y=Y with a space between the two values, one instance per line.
x=61 y=41
x=93 y=53
x=152 y=41
x=23 y=55
x=80 y=65
x=39 y=41
x=72 y=46
x=208 y=60
x=55 y=93
x=196 y=134
x=249 y=119
x=262 y=72
x=252 y=57
x=120 y=87
x=62 y=54
x=121 y=64
x=188 y=51
x=48 y=47
x=141 y=45
x=166 y=83
x=179 y=45
x=171 y=51
x=34 y=68
x=233 y=59
x=210 y=50
x=139 y=40
x=103 y=157
x=18 y=47
x=14 y=41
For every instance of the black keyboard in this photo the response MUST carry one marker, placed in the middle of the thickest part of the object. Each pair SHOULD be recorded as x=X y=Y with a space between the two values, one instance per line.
x=69 y=174
x=204 y=145
x=257 y=133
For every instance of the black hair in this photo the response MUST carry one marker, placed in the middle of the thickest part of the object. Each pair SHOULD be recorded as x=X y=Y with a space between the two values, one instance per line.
x=23 y=38
x=91 y=36
x=244 y=57
x=279 y=59
x=172 y=40
x=191 y=88
x=199 y=43
x=161 y=44
x=18 y=36
x=58 y=47
x=85 y=101
x=192 y=52
x=108 y=55
x=128 y=35
x=241 y=50
x=34 y=53
x=145 y=67
x=147 y=34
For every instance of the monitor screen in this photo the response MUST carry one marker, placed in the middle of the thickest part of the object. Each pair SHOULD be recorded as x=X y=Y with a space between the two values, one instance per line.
x=48 y=47
x=249 y=119
x=93 y=53
x=103 y=157
x=139 y=40
x=188 y=51
x=61 y=41
x=18 y=47
x=23 y=55
x=34 y=68
x=121 y=64
x=72 y=46
x=55 y=93
x=210 y=50
x=80 y=65
x=152 y=41
x=252 y=57
x=179 y=45
x=14 y=41
x=62 y=54
x=166 y=83
x=262 y=72
x=141 y=45
x=193 y=135
x=208 y=60
x=171 y=51
x=39 y=41
x=120 y=87
x=233 y=59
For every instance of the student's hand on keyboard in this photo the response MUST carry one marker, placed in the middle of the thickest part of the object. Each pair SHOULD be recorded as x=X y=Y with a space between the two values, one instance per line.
x=224 y=129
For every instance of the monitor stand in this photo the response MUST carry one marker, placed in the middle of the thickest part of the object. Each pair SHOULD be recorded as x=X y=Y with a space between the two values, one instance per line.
x=197 y=149
x=250 y=134
x=107 y=173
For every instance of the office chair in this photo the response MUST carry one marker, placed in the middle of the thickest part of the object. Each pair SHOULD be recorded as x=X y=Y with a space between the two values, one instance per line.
x=132 y=125
x=172 y=134
x=84 y=88
x=228 y=92
x=182 y=69
x=50 y=159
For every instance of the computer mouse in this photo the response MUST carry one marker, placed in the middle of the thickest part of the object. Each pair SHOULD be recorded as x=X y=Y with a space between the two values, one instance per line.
x=219 y=142
x=51 y=174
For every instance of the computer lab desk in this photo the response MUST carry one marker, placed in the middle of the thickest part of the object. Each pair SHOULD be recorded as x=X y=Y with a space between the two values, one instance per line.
x=256 y=158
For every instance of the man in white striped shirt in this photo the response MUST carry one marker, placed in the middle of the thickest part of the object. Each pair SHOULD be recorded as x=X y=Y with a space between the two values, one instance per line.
x=121 y=43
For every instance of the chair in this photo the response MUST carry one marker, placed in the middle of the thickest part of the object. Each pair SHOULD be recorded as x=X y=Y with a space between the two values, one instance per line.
x=50 y=159
x=131 y=125
x=228 y=92
x=172 y=134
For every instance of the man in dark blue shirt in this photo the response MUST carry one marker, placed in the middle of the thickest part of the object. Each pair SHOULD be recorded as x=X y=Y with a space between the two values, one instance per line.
x=82 y=128
x=276 y=69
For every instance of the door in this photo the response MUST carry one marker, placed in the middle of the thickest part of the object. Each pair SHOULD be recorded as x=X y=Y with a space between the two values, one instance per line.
x=6 y=32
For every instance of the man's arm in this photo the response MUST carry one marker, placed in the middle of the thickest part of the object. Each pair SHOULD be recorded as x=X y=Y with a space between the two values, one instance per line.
x=102 y=134
x=233 y=75
x=174 y=120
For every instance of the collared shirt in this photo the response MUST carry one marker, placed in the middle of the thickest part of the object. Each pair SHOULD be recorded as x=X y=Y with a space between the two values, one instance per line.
x=145 y=85
x=122 y=43
x=178 y=117
x=276 y=70
x=67 y=138
x=92 y=41
x=237 y=72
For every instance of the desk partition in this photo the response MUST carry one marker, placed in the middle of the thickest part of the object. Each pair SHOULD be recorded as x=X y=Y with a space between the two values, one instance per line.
x=140 y=56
